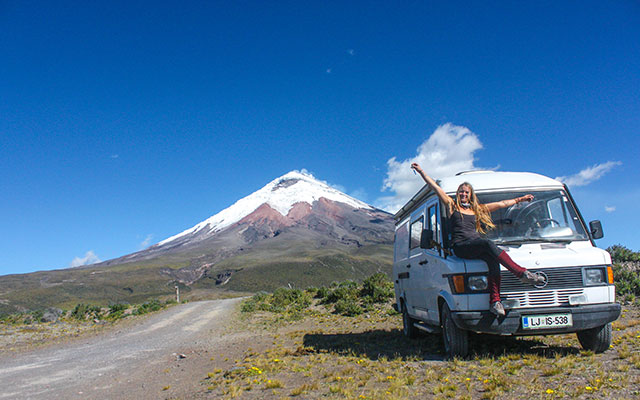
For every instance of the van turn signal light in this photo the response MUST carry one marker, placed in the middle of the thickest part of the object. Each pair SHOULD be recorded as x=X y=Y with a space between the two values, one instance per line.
x=458 y=283
x=610 y=274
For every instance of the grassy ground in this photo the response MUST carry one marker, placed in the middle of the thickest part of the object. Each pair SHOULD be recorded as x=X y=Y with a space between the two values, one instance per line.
x=318 y=354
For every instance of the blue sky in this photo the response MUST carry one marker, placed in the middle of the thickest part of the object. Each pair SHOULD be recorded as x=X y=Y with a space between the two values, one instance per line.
x=123 y=123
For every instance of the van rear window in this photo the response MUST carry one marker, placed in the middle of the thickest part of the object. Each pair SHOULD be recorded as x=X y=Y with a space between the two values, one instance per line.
x=401 y=243
x=416 y=231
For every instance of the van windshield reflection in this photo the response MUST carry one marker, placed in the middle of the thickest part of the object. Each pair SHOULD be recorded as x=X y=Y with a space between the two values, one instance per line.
x=550 y=217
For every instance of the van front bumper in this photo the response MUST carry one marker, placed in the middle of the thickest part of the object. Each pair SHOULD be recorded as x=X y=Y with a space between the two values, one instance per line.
x=585 y=316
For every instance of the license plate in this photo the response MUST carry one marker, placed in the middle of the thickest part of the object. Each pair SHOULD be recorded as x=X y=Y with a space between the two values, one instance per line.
x=546 y=321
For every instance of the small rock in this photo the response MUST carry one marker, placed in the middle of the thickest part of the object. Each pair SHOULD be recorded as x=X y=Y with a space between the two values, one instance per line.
x=51 y=315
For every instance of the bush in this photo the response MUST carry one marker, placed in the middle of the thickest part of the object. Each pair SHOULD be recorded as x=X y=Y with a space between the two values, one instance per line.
x=282 y=301
x=114 y=308
x=283 y=298
x=348 y=298
x=347 y=290
x=348 y=307
x=322 y=293
x=84 y=311
x=377 y=288
x=620 y=254
x=627 y=281
x=149 y=306
x=625 y=273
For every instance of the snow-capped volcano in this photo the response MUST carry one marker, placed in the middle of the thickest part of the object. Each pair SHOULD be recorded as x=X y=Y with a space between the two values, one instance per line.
x=289 y=195
x=295 y=229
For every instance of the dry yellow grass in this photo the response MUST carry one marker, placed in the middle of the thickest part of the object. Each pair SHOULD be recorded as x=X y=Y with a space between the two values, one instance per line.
x=367 y=357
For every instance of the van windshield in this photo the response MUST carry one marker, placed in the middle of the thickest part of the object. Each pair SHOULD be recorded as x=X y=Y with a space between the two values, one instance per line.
x=550 y=217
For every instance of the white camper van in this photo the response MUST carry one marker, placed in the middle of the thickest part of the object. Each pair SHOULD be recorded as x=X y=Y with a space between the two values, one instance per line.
x=437 y=291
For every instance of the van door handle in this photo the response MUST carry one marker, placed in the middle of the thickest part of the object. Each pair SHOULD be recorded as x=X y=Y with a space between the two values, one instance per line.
x=408 y=265
x=423 y=262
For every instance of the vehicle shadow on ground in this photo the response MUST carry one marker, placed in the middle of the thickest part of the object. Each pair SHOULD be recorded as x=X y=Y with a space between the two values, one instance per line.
x=392 y=344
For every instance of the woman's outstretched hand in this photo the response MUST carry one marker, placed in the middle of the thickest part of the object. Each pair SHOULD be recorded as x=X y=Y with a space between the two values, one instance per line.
x=526 y=197
x=416 y=166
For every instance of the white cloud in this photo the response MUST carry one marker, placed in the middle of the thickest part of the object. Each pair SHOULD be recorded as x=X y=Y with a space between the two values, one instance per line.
x=146 y=242
x=588 y=175
x=448 y=150
x=89 y=258
x=114 y=156
x=351 y=52
x=328 y=70
x=609 y=209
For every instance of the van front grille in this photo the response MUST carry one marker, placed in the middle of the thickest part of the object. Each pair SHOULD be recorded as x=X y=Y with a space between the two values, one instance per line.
x=557 y=278
x=542 y=298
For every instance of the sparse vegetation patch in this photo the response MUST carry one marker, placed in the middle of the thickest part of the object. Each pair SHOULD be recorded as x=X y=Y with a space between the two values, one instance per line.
x=327 y=353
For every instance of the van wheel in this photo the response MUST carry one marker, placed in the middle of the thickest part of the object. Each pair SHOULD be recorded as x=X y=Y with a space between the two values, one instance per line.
x=456 y=340
x=596 y=339
x=408 y=329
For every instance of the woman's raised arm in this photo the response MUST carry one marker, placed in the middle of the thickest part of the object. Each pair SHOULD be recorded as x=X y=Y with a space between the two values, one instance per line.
x=441 y=193
x=507 y=203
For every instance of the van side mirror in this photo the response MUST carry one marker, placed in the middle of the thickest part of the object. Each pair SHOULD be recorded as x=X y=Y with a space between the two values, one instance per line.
x=596 y=229
x=426 y=239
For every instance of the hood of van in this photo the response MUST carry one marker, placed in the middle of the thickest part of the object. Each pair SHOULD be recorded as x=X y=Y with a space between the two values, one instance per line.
x=550 y=255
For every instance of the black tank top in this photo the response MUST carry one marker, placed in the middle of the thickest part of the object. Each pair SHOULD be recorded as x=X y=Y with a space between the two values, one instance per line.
x=463 y=227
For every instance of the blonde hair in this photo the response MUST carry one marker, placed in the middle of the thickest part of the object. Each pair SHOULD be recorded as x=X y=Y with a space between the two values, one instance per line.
x=483 y=216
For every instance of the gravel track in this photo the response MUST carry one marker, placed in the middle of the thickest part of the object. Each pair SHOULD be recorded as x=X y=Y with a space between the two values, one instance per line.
x=131 y=362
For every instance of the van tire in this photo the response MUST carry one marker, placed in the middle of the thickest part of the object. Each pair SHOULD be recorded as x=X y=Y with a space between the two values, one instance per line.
x=408 y=329
x=455 y=340
x=597 y=339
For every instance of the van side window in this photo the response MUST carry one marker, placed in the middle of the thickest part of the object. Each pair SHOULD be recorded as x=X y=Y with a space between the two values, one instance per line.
x=401 y=250
x=433 y=223
x=416 y=231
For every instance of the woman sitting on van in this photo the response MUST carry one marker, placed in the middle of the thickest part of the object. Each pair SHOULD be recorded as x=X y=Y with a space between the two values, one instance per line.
x=468 y=222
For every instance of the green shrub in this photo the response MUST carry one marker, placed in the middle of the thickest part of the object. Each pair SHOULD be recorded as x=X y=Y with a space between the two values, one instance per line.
x=149 y=306
x=347 y=290
x=114 y=308
x=627 y=281
x=84 y=311
x=291 y=302
x=348 y=307
x=620 y=254
x=625 y=277
x=284 y=297
x=377 y=288
x=348 y=297
x=322 y=293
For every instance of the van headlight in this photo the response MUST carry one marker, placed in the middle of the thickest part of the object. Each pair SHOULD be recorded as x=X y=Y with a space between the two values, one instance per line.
x=463 y=283
x=478 y=282
x=594 y=276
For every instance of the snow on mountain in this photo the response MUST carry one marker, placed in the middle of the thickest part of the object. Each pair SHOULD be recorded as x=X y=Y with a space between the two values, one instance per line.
x=281 y=194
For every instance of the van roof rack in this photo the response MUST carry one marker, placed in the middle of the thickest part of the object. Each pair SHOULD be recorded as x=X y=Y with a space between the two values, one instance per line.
x=474 y=171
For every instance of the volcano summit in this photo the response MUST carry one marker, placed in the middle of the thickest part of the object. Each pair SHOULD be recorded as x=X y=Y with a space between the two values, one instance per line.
x=296 y=230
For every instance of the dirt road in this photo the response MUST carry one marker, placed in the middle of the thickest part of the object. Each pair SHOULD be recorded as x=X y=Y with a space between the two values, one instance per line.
x=141 y=361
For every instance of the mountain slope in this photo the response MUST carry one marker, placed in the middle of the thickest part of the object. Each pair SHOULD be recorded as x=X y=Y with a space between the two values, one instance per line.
x=295 y=230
